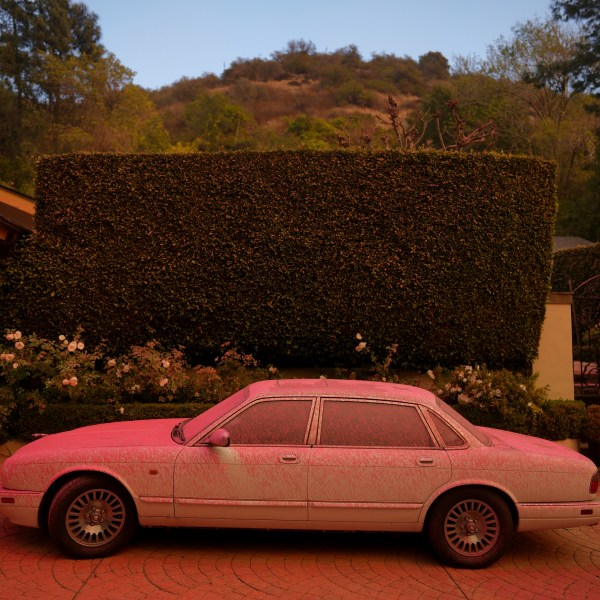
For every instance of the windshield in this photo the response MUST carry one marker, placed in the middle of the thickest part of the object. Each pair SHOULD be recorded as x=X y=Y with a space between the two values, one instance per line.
x=472 y=429
x=194 y=426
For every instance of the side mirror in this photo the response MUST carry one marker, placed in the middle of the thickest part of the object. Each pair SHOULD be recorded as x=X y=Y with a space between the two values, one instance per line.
x=219 y=437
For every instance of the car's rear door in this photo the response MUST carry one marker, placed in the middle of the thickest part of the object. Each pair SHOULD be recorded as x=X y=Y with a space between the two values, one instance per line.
x=375 y=461
x=262 y=475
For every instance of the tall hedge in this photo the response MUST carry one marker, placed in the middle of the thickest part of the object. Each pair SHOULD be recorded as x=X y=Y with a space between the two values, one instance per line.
x=290 y=254
x=575 y=266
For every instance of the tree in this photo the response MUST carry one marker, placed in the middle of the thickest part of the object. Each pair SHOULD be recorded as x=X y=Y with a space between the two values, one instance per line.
x=214 y=123
x=526 y=86
x=434 y=65
x=586 y=63
x=533 y=63
x=34 y=35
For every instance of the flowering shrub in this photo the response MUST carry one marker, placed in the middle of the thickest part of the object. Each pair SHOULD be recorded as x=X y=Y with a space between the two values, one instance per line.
x=379 y=370
x=60 y=368
x=147 y=371
x=501 y=398
x=35 y=372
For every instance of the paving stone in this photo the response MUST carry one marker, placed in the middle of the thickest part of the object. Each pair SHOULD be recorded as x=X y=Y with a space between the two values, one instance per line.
x=237 y=565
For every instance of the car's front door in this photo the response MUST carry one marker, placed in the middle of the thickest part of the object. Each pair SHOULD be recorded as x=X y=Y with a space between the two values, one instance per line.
x=375 y=461
x=261 y=475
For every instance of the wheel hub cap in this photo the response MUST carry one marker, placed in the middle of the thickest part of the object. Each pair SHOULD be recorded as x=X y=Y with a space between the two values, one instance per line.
x=95 y=517
x=471 y=527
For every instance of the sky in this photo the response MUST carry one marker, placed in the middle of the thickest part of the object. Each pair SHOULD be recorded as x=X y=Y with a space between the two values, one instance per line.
x=165 y=40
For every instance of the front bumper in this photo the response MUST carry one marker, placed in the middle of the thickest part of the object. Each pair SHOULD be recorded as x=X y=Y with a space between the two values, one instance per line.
x=547 y=515
x=20 y=508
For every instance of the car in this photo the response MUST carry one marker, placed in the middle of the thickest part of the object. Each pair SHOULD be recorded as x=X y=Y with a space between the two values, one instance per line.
x=302 y=454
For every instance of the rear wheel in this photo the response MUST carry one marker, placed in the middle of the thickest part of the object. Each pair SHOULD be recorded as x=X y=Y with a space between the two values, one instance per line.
x=470 y=528
x=91 y=516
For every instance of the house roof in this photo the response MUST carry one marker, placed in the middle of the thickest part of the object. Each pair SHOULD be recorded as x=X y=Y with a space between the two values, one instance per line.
x=17 y=211
x=567 y=242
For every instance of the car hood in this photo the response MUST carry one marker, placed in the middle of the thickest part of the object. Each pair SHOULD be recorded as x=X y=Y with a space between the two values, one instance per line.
x=149 y=433
x=527 y=443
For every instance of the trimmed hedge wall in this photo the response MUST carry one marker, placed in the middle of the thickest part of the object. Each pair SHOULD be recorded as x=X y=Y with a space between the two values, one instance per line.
x=290 y=254
x=575 y=265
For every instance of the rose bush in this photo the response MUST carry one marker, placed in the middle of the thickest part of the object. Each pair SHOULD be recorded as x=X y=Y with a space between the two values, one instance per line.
x=35 y=372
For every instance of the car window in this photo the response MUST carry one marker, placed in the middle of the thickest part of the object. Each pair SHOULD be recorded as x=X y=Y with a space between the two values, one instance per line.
x=356 y=423
x=456 y=416
x=449 y=436
x=274 y=422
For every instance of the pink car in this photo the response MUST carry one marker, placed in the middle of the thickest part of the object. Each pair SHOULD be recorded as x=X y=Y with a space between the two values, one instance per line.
x=303 y=454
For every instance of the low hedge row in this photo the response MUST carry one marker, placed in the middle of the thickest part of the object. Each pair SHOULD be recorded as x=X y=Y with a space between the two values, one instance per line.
x=558 y=420
x=290 y=254
x=25 y=422
x=554 y=420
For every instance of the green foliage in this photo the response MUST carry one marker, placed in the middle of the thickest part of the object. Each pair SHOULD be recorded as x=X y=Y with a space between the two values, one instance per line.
x=38 y=374
x=492 y=398
x=434 y=65
x=587 y=61
x=66 y=371
x=561 y=419
x=54 y=418
x=312 y=133
x=591 y=426
x=574 y=266
x=289 y=254
x=214 y=123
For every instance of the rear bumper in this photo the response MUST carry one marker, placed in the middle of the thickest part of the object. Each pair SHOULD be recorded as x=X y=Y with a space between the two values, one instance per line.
x=534 y=516
x=20 y=508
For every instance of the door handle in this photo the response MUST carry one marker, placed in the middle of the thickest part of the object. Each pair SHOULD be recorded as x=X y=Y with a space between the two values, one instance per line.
x=426 y=460
x=288 y=458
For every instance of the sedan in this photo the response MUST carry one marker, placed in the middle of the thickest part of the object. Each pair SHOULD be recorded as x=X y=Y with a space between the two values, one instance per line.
x=302 y=454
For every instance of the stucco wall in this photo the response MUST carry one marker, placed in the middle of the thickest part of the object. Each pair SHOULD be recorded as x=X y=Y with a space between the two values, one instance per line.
x=555 y=359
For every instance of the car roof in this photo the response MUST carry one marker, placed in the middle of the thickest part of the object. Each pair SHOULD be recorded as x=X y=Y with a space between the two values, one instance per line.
x=339 y=388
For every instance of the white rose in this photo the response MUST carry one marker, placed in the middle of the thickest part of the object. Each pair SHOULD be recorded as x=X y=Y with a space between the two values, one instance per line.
x=73 y=381
x=80 y=346
x=72 y=347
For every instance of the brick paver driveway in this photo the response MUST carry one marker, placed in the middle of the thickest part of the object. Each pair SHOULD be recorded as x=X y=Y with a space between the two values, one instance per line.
x=235 y=565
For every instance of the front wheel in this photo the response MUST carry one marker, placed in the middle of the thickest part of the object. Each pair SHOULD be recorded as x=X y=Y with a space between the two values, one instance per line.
x=470 y=529
x=91 y=517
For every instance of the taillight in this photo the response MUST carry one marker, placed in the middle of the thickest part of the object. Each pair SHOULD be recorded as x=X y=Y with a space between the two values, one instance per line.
x=594 y=483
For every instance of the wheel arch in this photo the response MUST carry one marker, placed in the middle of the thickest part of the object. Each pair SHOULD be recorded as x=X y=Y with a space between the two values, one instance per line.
x=64 y=478
x=474 y=488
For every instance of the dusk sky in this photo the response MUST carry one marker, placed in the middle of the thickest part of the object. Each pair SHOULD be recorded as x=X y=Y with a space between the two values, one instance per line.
x=164 y=40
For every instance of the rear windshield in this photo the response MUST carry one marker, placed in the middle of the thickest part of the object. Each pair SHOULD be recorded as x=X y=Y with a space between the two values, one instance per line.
x=472 y=429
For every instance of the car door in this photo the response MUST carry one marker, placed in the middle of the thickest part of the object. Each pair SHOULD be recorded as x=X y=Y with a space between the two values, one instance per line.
x=261 y=475
x=375 y=461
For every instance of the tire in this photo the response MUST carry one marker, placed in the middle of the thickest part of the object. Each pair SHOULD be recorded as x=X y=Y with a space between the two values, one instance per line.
x=91 y=517
x=470 y=528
